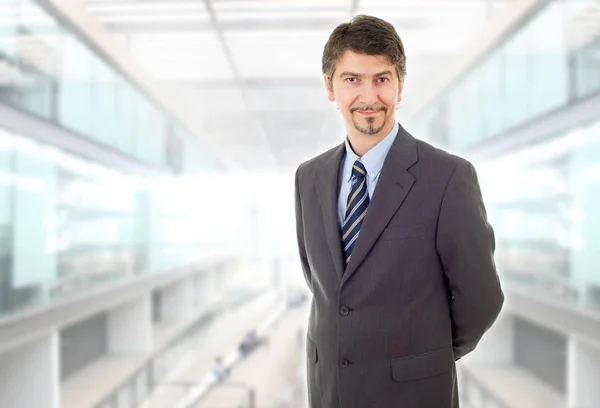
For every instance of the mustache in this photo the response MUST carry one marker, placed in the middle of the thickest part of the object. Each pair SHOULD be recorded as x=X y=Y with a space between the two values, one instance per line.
x=368 y=108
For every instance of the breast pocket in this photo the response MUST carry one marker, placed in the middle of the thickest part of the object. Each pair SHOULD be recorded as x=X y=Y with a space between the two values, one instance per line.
x=398 y=232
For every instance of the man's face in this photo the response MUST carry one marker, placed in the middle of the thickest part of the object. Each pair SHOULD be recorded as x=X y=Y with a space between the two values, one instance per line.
x=366 y=89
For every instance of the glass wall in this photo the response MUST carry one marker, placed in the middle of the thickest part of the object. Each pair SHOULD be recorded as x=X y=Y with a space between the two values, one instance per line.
x=49 y=71
x=68 y=225
x=542 y=199
x=543 y=203
x=551 y=61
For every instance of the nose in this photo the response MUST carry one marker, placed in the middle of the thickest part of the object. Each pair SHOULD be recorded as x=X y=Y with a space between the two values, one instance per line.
x=368 y=94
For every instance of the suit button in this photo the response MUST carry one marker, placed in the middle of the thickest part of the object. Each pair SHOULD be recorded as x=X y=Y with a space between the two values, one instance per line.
x=344 y=311
x=344 y=363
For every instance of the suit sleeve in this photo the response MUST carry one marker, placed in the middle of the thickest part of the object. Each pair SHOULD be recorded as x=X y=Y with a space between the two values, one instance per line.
x=466 y=244
x=300 y=234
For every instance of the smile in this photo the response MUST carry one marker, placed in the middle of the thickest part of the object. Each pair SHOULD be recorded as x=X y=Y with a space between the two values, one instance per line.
x=368 y=113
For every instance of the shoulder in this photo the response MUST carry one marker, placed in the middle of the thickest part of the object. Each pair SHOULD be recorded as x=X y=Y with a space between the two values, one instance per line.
x=445 y=167
x=436 y=156
x=441 y=163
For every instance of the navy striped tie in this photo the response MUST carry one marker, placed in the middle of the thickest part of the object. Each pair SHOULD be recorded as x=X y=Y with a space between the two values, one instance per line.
x=356 y=209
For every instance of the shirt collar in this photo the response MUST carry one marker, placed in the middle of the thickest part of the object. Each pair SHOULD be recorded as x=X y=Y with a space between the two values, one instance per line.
x=372 y=160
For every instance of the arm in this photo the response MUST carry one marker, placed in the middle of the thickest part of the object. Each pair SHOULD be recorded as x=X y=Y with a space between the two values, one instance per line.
x=300 y=236
x=465 y=243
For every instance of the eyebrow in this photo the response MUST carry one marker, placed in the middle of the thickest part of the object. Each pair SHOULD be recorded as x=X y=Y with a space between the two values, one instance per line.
x=352 y=74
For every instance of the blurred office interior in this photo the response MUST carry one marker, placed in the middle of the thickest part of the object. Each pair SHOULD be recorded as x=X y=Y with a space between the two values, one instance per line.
x=148 y=253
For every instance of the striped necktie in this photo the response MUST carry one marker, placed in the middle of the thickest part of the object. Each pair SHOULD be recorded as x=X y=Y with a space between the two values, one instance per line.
x=356 y=209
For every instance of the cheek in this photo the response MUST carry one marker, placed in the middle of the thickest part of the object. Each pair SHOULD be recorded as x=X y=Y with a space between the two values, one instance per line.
x=390 y=98
x=347 y=105
x=346 y=98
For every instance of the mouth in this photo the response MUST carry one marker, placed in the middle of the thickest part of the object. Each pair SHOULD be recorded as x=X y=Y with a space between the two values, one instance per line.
x=368 y=112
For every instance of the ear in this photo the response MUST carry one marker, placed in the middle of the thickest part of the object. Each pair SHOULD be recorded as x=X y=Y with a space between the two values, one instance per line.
x=400 y=88
x=329 y=86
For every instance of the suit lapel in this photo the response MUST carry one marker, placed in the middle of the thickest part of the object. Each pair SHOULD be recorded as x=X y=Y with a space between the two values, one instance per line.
x=393 y=186
x=327 y=190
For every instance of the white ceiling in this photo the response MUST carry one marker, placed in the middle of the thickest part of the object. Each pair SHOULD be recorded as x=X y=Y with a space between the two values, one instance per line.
x=250 y=71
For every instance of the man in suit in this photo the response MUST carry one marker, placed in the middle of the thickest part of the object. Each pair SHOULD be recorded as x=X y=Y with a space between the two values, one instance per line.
x=394 y=243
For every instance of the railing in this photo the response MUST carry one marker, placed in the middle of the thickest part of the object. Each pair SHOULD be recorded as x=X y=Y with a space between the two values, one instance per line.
x=188 y=386
x=197 y=391
x=140 y=384
x=469 y=384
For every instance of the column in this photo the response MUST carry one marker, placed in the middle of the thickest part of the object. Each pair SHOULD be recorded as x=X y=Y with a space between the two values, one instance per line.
x=130 y=328
x=177 y=301
x=30 y=375
x=204 y=287
x=583 y=371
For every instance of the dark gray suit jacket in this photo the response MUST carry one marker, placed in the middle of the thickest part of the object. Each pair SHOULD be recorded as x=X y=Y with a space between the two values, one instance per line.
x=419 y=292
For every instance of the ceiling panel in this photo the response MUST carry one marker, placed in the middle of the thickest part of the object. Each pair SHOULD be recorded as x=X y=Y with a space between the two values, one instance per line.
x=276 y=54
x=179 y=56
x=287 y=98
x=249 y=71
x=123 y=7
x=207 y=102
x=287 y=5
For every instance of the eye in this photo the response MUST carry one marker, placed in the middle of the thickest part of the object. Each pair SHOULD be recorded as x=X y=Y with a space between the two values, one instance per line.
x=382 y=80
x=352 y=80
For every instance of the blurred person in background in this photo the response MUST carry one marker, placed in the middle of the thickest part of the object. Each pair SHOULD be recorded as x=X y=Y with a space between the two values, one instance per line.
x=394 y=243
x=251 y=342
x=220 y=371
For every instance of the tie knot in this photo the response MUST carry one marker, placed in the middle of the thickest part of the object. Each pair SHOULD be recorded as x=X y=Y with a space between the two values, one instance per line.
x=358 y=169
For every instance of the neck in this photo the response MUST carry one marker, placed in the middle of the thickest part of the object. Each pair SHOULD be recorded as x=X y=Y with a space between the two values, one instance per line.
x=362 y=143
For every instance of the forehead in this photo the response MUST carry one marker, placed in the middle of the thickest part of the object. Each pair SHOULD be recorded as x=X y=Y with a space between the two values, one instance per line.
x=363 y=63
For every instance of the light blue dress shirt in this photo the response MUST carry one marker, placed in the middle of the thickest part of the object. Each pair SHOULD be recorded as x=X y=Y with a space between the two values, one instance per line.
x=373 y=162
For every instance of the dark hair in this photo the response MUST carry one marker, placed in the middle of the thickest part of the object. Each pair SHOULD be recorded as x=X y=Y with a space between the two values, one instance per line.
x=365 y=35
